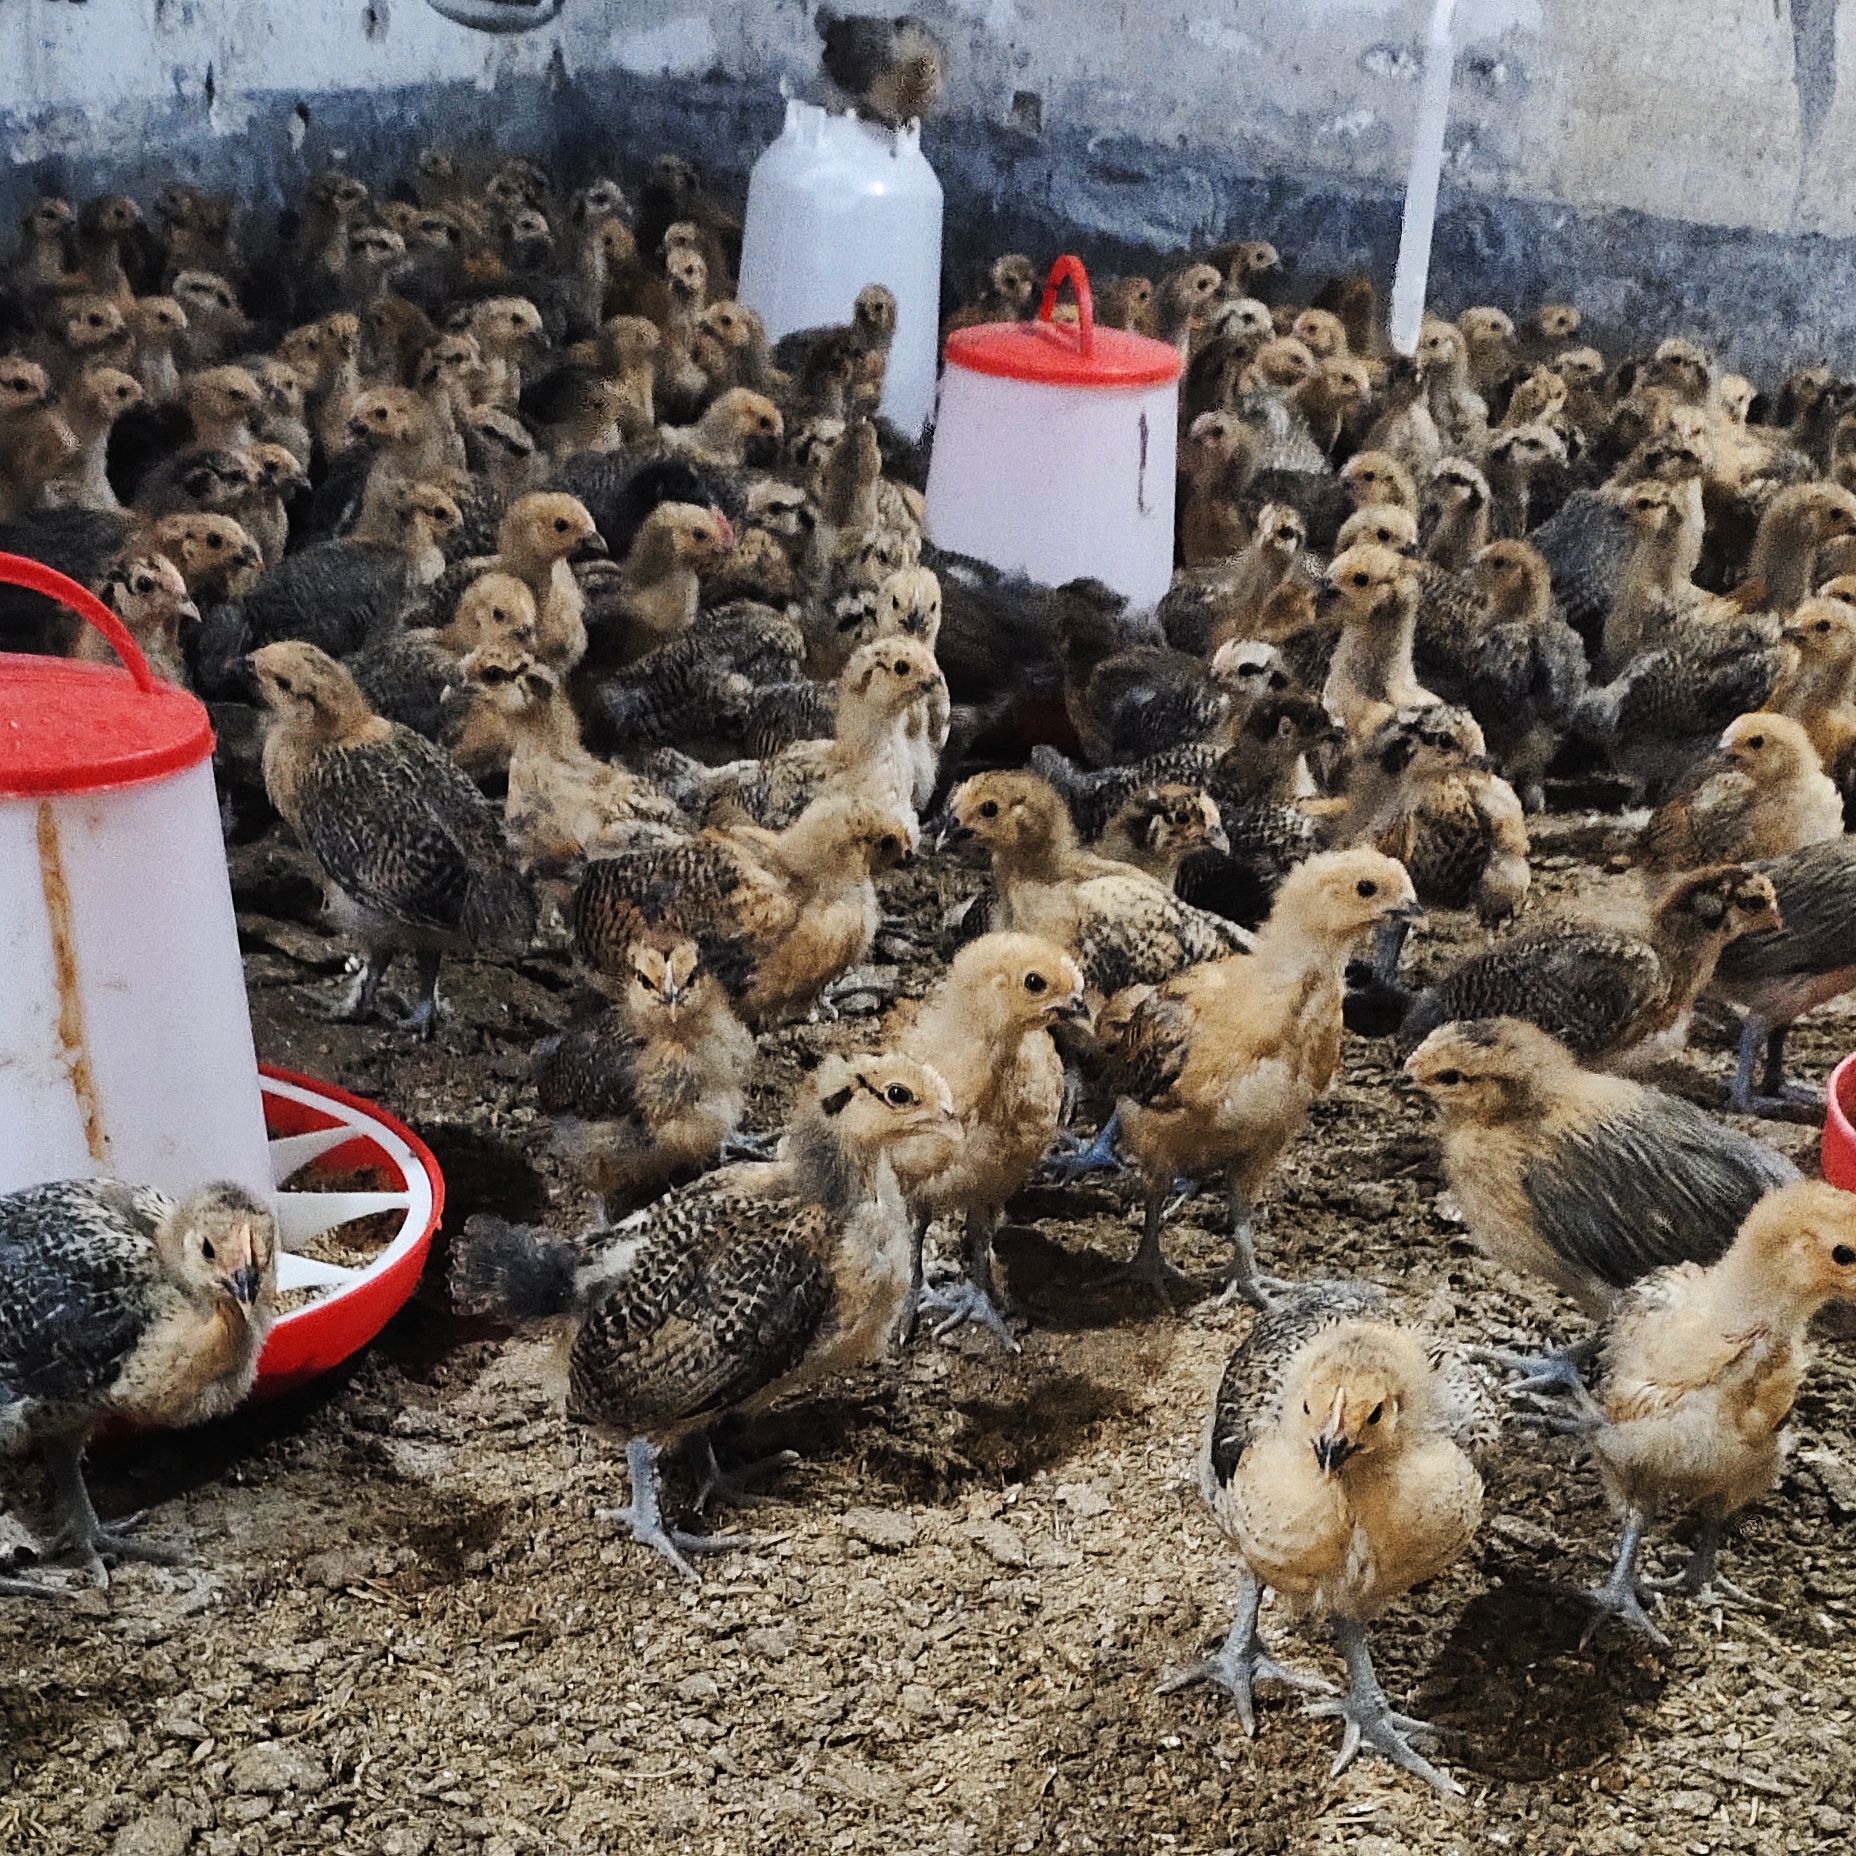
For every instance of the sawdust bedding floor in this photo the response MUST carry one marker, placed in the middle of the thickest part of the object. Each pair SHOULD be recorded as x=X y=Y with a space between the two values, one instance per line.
x=405 y=1634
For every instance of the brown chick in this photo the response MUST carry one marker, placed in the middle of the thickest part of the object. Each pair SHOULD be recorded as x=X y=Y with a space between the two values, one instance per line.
x=537 y=541
x=1218 y=1066
x=778 y=916
x=1371 y=679
x=652 y=1088
x=1121 y=927
x=1220 y=460
x=1341 y=1462
x=564 y=804
x=1577 y=1179
x=1817 y=687
x=1458 y=829
x=121 y=1304
x=660 y=579
x=870 y=750
x=147 y=593
x=412 y=856
x=1607 y=993
x=1700 y=1369
x=1011 y=283
x=986 y=1028
x=1763 y=793
x=1459 y=495
x=1158 y=828
x=741 y=429
x=730 y=1295
x=88 y=411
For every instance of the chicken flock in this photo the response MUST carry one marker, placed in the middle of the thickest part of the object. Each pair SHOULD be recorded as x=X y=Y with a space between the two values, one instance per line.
x=548 y=605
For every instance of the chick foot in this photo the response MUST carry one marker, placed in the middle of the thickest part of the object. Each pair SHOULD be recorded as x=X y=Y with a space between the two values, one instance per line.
x=83 y=1541
x=1080 y=1159
x=1371 y=1721
x=644 y=1516
x=1550 y=1375
x=1241 y=1663
x=1247 y=1284
x=1619 y=1597
x=11 y=1587
x=1701 y=1579
x=963 y=1303
x=736 y=1486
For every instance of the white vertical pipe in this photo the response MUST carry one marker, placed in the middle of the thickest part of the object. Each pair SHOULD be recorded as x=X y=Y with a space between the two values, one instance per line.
x=1427 y=160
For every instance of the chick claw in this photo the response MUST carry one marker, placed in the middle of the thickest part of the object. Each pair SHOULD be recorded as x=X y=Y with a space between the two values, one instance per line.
x=673 y=1543
x=1370 y=1722
x=1238 y=1672
x=94 y=1548
x=737 y=1486
x=1620 y=1601
x=964 y=1303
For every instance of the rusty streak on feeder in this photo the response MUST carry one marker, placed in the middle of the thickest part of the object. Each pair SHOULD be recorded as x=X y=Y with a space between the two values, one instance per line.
x=57 y=891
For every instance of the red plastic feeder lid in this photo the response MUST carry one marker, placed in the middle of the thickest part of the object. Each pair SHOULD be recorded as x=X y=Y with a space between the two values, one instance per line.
x=68 y=727
x=1050 y=354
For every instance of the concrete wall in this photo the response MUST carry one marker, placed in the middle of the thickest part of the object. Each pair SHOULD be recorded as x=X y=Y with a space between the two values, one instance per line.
x=1687 y=160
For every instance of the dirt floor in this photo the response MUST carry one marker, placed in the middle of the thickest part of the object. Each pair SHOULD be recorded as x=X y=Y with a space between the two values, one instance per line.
x=407 y=1635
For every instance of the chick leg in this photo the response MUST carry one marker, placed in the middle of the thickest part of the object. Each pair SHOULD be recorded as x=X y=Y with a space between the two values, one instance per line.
x=1149 y=1266
x=973 y=1298
x=1389 y=940
x=644 y=1515
x=1618 y=1597
x=1245 y=1284
x=1370 y=1718
x=1701 y=1579
x=422 y=1020
x=1775 y=1097
x=83 y=1539
x=1097 y=1156
x=1241 y=1662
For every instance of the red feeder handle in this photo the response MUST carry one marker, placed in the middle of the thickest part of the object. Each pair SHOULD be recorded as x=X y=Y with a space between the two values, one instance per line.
x=1068 y=270
x=36 y=577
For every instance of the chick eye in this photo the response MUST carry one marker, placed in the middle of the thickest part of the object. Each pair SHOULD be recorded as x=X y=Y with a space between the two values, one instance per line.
x=1843 y=1256
x=899 y=1097
x=1366 y=888
x=1756 y=741
x=1449 y=1078
x=560 y=525
x=206 y=1249
x=1036 y=983
x=215 y=542
x=1377 y=1412
x=1356 y=580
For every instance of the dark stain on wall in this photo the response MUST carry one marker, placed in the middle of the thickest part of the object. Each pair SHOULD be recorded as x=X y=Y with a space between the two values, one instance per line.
x=1772 y=298
x=1814 y=64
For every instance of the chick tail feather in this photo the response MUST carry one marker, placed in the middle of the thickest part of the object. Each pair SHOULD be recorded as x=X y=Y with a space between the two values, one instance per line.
x=514 y=1272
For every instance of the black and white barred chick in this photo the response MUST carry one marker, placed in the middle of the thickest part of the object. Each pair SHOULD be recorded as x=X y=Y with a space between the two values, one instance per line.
x=413 y=856
x=118 y=1302
x=734 y=1292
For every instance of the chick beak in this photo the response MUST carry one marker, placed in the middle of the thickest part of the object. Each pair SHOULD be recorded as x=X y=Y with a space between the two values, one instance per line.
x=1216 y=840
x=725 y=530
x=1074 y=1010
x=942 y=833
x=1327 y=597
x=1332 y=1445
x=1331 y=1452
x=247 y=1283
x=1408 y=911
x=591 y=548
x=186 y=612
